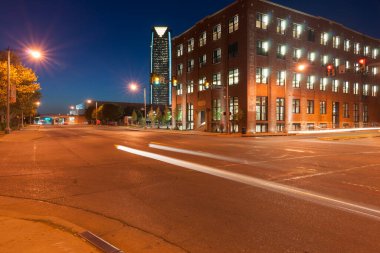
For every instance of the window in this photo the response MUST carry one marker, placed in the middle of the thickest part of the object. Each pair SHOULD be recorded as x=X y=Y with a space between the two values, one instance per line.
x=262 y=21
x=233 y=24
x=234 y=107
x=336 y=62
x=310 y=34
x=190 y=116
x=179 y=89
x=296 y=126
x=190 y=87
x=310 y=126
x=280 y=109
x=190 y=45
x=322 y=107
x=179 y=69
x=203 y=39
x=323 y=84
x=281 y=26
x=296 y=105
x=217 y=32
x=347 y=45
x=375 y=90
x=356 y=67
x=346 y=110
x=365 y=113
x=310 y=107
x=281 y=51
x=365 y=89
x=202 y=60
x=335 y=85
x=325 y=60
x=179 y=112
x=375 y=53
x=261 y=128
x=262 y=47
x=357 y=48
x=356 y=88
x=216 y=56
x=346 y=87
x=203 y=85
x=262 y=75
x=367 y=51
x=261 y=108
x=297 y=53
x=348 y=65
x=233 y=77
x=233 y=50
x=324 y=38
x=310 y=82
x=216 y=79
x=216 y=109
x=190 y=65
x=356 y=113
x=281 y=77
x=296 y=80
x=336 y=41
x=179 y=50
x=297 y=30
x=311 y=56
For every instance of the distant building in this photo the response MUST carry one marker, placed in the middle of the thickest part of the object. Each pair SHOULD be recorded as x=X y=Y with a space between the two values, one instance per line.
x=274 y=69
x=160 y=73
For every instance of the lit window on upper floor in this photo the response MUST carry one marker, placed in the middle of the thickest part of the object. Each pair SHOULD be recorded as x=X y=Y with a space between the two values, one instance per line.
x=356 y=88
x=281 y=78
x=348 y=65
x=325 y=60
x=366 y=90
x=179 y=69
x=202 y=60
x=335 y=86
x=216 y=56
x=190 y=45
x=310 y=34
x=216 y=79
x=347 y=45
x=262 y=75
x=297 y=54
x=262 y=47
x=356 y=67
x=311 y=56
x=190 y=87
x=217 y=32
x=375 y=71
x=233 y=76
x=297 y=31
x=202 y=39
x=281 y=51
x=325 y=37
x=203 y=84
x=336 y=62
x=190 y=65
x=296 y=80
x=375 y=90
x=375 y=53
x=357 y=48
x=281 y=26
x=367 y=51
x=323 y=84
x=346 y=87
x=179 y=89
x=233 y=24
x=336 y=41
x=262 y=21
x=310 y=83
x=179 y=50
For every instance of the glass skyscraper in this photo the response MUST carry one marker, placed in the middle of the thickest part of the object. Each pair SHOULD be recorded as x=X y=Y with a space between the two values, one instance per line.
x=160 y=72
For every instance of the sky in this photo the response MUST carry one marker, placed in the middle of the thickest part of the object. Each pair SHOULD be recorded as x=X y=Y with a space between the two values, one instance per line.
x=94 y=48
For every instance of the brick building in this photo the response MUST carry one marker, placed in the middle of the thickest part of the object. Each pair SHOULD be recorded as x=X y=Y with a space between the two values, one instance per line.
x=272 y=62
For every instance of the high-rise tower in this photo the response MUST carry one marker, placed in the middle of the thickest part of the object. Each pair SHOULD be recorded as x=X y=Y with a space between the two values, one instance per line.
x=160 y=71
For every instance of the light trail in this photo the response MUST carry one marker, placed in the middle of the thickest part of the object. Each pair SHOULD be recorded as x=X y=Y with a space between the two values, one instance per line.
x=263 y=184
x=334 y=130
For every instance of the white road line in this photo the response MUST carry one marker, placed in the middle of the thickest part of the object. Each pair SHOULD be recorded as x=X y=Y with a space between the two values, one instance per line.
x=263 y=184
x=299 y=151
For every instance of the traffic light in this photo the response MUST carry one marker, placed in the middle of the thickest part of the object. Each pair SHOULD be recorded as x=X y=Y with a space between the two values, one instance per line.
x=330 y=70
x=362 y=65
x=175 y=82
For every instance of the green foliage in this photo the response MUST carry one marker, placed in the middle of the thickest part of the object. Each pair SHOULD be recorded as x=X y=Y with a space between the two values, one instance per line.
x=134 y=117
x=152 y=116
x=109 y=112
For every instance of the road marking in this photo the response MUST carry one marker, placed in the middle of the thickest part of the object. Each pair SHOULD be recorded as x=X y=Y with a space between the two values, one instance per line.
x=299 y=151
x=263 y=184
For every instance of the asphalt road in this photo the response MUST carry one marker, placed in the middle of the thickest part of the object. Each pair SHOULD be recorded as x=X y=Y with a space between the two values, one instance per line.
x=202 y=193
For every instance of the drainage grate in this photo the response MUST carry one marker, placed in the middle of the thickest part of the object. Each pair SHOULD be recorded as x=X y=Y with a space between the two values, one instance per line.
x=99 y=242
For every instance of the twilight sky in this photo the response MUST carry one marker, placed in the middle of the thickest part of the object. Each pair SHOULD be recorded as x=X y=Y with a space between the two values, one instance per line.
x=96 y=47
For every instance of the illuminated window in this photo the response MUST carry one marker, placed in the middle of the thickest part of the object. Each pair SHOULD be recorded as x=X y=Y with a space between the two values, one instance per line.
x=375 y=53
x=202 y=60
x=262 y=21
x=281 y=26
x=310 y=107
x=323 y=84
x=336 y=41
x=296 y=106
x=190 y=86
x=190 y=65
x=346 y=110
x=281 y=51
x=297 y=31
x=190 y=116
x=357 y=48
x=216 y=109
x=216 y=56
x=262 y=108
x=325 y=60
x=180 y=50
x=311 y=56
x=356 y=67
x=322 y=107
x=356 y=113
x=202 y=84
x=216 y=79
x=281 y=78
x=335 y=85
x=336 y=62
x=367 y=50
x=262 y=47
x=203 y=39
x=233 y=76
x=233 y=24
x=347 y=45
x=356 y=88
x=365 y=89
x=262 y=75
x=217 y=32
x=296 y=80
x=234 y=109
x=280 y=109
x=179 y=89
x=346 y=87
x=179 y=69
x=375 y=90
x=297 y=54
x=348 y=65
x=375 y=71
x=190 y=45
x=310 y=82
x=324 y=38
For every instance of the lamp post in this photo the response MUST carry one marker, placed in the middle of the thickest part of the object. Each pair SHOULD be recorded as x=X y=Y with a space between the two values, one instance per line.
x=89 y=101
x=34 y=54
x=134 y=87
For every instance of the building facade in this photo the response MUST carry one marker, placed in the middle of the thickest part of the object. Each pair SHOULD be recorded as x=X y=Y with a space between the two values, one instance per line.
x=274 y=69
x=160 y=73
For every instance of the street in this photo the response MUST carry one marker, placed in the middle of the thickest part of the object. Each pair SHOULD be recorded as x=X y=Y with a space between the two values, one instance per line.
x=156 y=191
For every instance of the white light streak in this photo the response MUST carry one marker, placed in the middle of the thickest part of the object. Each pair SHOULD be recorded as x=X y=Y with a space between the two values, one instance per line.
x=334 y=130
x=263 y=184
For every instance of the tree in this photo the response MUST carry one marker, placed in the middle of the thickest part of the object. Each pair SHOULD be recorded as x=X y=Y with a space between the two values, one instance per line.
x=90 y=113
x=152 y=116
x=158 y=116
x=134 y=117
x=166 y=117
x=109 y=112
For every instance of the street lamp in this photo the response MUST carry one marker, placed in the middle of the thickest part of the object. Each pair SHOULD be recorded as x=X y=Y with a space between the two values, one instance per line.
x=34 y=54
x=89 y=101
x=134 y=87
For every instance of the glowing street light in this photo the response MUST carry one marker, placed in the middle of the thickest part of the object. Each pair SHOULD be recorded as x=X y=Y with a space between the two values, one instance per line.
x=134 y=87
x=35 y=54
x=301 y=67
